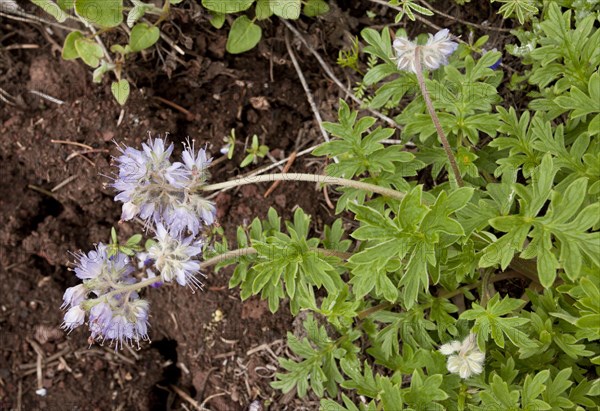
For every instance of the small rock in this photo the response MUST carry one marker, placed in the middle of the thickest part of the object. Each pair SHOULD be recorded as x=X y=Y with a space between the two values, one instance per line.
x=280 y=200
x=108 y=135
x=98 y=365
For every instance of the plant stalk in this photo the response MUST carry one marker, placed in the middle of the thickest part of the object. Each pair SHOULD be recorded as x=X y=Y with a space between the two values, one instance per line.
x=214 y=261
x=314 y=178
x=435 y=119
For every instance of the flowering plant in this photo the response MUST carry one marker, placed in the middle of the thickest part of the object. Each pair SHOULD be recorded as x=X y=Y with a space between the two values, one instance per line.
x=470 y=275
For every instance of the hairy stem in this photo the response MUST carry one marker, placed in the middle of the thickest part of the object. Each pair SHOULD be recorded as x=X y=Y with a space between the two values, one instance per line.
x=314 y=178
x=210 y=262
x=435 y=119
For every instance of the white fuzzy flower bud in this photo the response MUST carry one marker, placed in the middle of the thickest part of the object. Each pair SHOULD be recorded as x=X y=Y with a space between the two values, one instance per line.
x=73 y=318
x=465 y=358
x=434 y=53
x=129 y=211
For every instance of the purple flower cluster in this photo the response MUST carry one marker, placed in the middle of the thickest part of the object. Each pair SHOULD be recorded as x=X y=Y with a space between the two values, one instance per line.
x=115 y=314
x=162 y=192
x=173 y=257
x=165 y=195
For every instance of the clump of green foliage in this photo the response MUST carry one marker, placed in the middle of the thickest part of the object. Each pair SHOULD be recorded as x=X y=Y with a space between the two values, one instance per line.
x=102 y=16
x=473 y=285
x=382 y=295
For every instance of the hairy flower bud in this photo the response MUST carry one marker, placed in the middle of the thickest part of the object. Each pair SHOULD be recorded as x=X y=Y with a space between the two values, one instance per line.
x=434 y=53
x=74 y=296
x=73 y=318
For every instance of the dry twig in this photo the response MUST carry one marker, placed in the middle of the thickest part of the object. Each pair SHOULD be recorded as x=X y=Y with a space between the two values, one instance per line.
x=334 y=78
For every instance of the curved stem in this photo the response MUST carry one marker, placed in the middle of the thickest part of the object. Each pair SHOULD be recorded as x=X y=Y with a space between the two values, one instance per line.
x=210 y=262
x=434 y=117
x=313 y=178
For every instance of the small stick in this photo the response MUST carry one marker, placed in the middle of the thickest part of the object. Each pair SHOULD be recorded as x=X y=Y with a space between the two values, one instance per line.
x=27 y=18
x=121 y=117
x=79 y=153
x=337 y=81
x=63 y=183
x=224 y=355
x=262 y=347
x=73 y=143
x=286 y=168
x=120 y=356
x=186 y=397
x=327 y=200
x=267 y=168
x=190 y=116
x=53 y=357
x=309 y=95
x=40 y=360
x=210 y=397
x=21 y=47
x=47 y=97
x=40 y=190
x=479 y=26
x=20 y=396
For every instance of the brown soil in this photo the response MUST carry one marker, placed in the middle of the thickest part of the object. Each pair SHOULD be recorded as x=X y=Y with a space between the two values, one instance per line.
x=224 y=363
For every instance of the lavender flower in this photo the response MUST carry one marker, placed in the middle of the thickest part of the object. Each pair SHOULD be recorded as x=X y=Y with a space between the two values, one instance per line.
x=434 y=53
x=118 y=316
x=165 y=193
x=173 y=257
x=100 y=272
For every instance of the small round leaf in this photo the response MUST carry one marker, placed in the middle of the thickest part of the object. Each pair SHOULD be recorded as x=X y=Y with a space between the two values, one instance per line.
x=89 y=51
x=143 y=36
x=287 y=9
x=120 y=90
x=314 y=8
x=243 y=36
x=69 y=52
x=104 y=13
x=227 y=6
